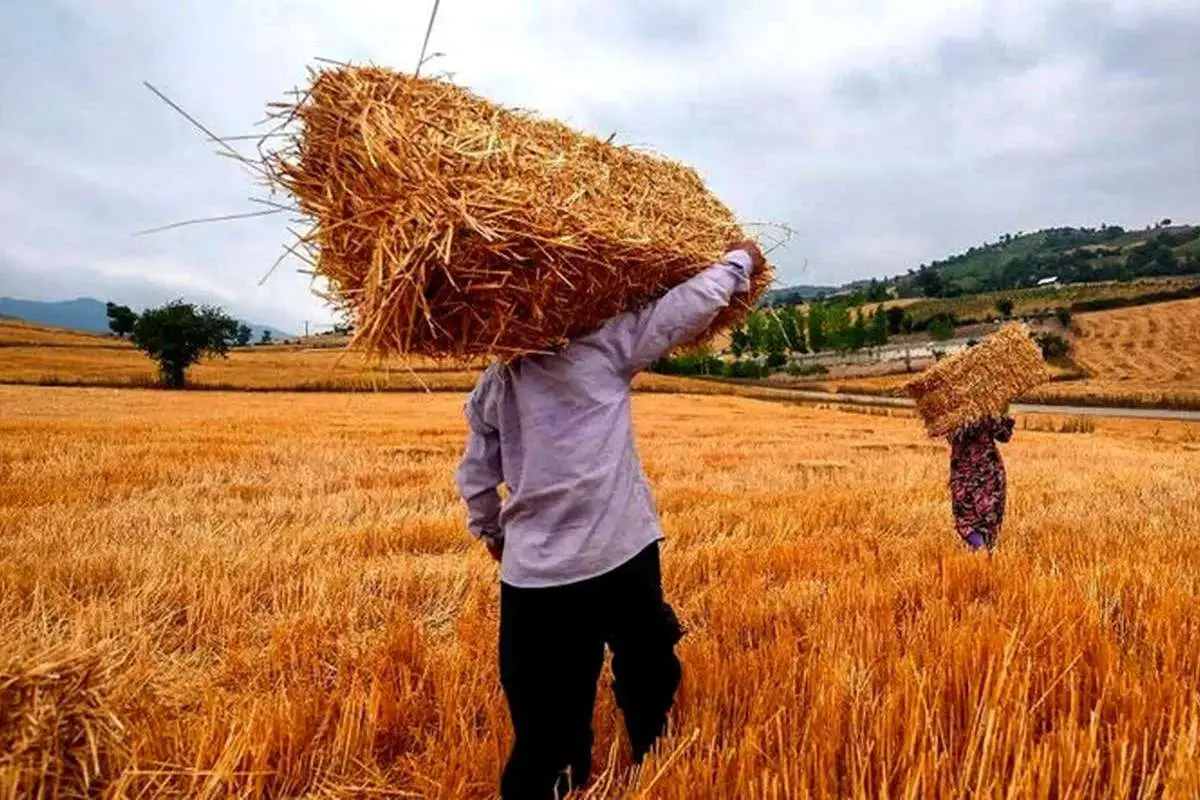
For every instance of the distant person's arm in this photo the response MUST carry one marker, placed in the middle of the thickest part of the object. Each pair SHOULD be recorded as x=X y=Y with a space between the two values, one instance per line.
x=639 y=338
x=479 y=477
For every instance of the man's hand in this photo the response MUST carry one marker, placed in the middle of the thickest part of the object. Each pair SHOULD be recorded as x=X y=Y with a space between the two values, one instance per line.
x=751 y=248
x=495 y=547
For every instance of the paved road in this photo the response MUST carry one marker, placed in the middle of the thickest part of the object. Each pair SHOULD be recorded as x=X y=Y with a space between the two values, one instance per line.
x=1024 y=408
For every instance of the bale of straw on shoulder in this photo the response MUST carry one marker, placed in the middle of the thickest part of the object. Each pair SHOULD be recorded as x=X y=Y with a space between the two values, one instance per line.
x=451 y=227
x=979 y=382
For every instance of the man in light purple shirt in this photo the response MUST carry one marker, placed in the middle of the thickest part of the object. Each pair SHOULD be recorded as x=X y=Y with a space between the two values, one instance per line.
x=577 y=539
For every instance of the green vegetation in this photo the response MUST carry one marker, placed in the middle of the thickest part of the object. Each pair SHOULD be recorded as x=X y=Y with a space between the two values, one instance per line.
x=769 y=338
x=1019 y=261
x=178 y=335
x=121 y=319
x=1072 y=255
x=941 y=328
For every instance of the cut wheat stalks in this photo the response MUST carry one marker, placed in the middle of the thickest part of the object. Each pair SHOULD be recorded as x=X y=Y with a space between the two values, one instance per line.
x=449 y=227
x=979 y=382
x=59 y=737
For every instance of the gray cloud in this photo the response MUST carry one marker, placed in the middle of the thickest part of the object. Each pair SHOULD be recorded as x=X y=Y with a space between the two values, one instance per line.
x=885 y=135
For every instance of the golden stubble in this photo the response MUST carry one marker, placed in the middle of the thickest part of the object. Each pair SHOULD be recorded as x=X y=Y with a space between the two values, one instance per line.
x=214 y=595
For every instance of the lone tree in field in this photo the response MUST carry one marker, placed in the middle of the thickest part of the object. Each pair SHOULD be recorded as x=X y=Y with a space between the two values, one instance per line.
x=1005 y=306
x=178 y=335
x=244 y=334
x=121 y=319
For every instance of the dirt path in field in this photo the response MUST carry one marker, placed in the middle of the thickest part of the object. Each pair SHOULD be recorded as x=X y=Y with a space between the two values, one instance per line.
x=770 y=393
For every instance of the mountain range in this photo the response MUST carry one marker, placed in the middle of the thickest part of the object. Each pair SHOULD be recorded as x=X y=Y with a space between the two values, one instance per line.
x=88 y=314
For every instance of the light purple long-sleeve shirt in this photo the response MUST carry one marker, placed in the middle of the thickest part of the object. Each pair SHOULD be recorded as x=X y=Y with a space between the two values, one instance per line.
x=557 y=431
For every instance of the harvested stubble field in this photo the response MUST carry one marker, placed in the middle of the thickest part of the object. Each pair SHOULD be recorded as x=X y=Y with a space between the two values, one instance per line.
x=14 y=333
x=85 y=360
x=1153 y=348
x=272 y=595
x=263 y=368
x=1141 y=356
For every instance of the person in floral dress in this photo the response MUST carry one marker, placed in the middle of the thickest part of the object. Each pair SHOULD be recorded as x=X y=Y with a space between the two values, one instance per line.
x=978 y=480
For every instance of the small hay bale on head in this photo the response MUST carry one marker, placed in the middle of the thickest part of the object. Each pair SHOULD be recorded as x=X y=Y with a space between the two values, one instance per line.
x=979 y=382
x=447 y=226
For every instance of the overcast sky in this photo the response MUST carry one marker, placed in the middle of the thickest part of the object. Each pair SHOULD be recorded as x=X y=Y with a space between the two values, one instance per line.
x=885 y=133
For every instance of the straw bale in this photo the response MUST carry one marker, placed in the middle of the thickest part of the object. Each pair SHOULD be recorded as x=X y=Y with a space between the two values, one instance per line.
x=447 y=226
x=979 y=382
x=58 y=734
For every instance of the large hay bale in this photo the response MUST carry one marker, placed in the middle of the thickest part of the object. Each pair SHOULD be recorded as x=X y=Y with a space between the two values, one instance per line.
x=449 y=226
x=978 y=382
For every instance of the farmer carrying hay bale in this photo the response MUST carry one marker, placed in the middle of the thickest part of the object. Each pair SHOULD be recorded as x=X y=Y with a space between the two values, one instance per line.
x=450 y=227
x=965 y=398
x=577 y=540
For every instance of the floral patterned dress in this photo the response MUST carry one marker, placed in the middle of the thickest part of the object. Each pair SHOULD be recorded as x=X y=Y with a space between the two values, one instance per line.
x=978 y=481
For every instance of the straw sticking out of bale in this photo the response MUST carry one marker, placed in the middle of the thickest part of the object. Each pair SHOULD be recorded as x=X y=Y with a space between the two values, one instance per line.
x=450 y=227
x=978 y=382
x=58 y=736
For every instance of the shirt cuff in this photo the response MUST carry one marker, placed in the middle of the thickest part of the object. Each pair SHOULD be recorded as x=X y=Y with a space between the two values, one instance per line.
x=740 y=259
x=743 y=268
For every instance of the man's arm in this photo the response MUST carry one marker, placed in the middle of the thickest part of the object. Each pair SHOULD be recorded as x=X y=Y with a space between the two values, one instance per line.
x=639 y=338
x=479 y=476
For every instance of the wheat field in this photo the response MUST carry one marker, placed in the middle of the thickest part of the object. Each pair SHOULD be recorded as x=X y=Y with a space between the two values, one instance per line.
x=272 y=595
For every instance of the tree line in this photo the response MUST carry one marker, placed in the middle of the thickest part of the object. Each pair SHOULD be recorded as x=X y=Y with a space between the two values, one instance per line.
x=789 y=330
x=768 y=338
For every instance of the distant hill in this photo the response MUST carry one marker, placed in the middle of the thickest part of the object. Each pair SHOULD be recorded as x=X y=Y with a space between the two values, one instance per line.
x=793 y=295
x=1068 y=255
x=86 y=314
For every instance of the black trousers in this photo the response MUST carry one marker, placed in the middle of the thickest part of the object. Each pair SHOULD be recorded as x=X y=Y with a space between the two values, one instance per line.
x=551 y=653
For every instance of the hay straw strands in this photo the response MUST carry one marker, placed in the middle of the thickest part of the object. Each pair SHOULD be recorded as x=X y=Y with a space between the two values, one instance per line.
x=447 y=226
x=220 y=218
x=228 y=149
x=978 y=382
x=58 y=735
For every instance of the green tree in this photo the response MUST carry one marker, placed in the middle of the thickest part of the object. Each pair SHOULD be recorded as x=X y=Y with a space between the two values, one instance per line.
x=837 y=325
x=799 y=343
x=244 y=335
x=877 y=292
x=1053 y=346
x=930 y=282
x=178 y=335
x=879 y=328
x=121 y=319
x=816 y=328
x=1005 y=306
x=1063 y=315
x=895 y=320
x=941 y=328
x=859 y=335
x=739 y=341
x=790 y=322
x=757 y=330
x=266 y=338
